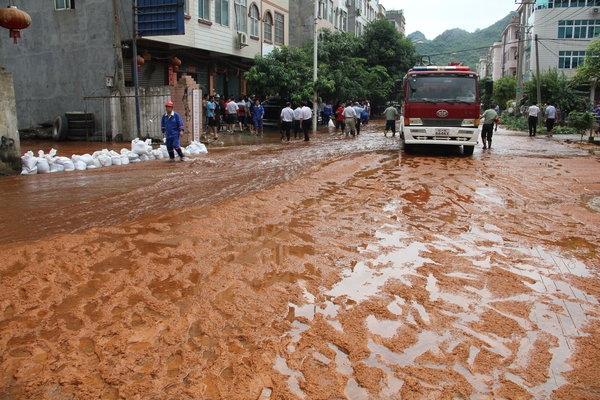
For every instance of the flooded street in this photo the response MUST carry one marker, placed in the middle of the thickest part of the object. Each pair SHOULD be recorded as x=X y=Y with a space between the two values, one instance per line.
x=341 y=268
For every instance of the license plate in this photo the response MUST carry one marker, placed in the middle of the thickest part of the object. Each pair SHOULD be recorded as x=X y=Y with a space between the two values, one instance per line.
x=442 y=132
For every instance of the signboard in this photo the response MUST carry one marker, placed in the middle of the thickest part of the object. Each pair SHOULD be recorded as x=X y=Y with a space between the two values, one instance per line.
x=197 y=114
x=160 y=17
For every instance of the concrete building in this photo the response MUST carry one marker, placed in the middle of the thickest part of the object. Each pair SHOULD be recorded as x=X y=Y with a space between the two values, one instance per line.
x=564 y=29
x=397 y=17
x=336 y=15
x=69 y=59
x=510 y=44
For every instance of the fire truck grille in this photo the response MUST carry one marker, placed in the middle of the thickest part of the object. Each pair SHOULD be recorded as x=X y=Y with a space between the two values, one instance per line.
x=441 y=122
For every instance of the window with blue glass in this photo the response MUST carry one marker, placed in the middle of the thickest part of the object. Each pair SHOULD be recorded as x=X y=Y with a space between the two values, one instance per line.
x=570 y=59
x=540 y=4
x=204 y=9
x=579 y=29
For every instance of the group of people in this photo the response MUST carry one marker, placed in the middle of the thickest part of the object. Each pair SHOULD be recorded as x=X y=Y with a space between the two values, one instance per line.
x=533 y=112
x=298 y=119
x=348 y=116
x=247 y=113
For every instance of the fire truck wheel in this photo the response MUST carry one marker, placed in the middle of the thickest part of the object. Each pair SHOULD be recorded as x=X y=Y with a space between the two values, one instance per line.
x=468 y=150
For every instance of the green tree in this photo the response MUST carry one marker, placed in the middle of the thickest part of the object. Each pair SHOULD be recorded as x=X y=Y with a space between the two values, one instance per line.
x=504 y=90
x=557 y=89
x=286 y=72
x=590 y=70
x=382 y=45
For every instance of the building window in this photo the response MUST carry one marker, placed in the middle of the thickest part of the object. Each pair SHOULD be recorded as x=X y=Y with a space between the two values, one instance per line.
x=241 y=15
x=579 y=29
x=330 y=19
x=64 y=4
x=204 y=9
x=566 y=3
x=268 y=27
x=222 y=12
x=570 y=59
x=344 y=22
x=254 y=17
x=325 y=9
x=279 y=32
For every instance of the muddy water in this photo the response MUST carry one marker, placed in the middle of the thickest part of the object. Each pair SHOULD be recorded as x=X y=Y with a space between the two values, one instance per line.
x=341 y=268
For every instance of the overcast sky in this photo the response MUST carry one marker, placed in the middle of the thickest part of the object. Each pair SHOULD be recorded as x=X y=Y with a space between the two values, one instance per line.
x=432 y=17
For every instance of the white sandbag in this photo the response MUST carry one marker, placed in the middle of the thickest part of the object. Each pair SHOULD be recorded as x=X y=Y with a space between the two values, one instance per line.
x=193 y=150
x=186 y=152
x=95 y=163
x=138 y=146
x=87 y=159
x=143 y=157
x=331 y=124
x=29 y=164
x=56 y=167
x=199 y=146
x=133 y=157
x=151 y=155
x=104 y=159
x=66 y=162
x=43 y=167
x=116 y=160
x=164 y=151
x=158 y=154
x=124 y=159
x=80 y=165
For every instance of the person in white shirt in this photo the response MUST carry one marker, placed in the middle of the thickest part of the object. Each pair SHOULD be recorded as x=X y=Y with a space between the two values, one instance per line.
x=231 y=110
x=533 y=112
x=550 y=114
x=306 y=121
x=350 y=119
x=297 y=120
x=287 y=117
x=358 y=110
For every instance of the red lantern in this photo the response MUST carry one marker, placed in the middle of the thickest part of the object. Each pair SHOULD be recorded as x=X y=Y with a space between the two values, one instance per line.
x=14 y=19
x=175 y=63
x=140 y=61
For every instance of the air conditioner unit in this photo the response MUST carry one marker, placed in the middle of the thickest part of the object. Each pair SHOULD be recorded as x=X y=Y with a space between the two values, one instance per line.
x=596 y=10
x=242 y=39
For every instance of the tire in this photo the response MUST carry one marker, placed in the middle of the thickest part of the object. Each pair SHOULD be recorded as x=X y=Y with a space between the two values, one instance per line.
x=409 y=148
x=59 y=129
x=468 y=150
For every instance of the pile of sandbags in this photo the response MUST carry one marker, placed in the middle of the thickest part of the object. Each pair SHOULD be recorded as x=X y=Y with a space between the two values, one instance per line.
x=141 y=150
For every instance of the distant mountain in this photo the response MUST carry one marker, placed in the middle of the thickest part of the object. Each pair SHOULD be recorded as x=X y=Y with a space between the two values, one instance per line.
x=456 y=40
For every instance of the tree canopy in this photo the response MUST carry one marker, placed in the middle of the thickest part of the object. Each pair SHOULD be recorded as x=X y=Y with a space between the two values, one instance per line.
x=349 y=67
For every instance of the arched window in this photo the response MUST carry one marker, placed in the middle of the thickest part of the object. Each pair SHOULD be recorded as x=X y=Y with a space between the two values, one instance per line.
x=254 y=17
x=268 y=27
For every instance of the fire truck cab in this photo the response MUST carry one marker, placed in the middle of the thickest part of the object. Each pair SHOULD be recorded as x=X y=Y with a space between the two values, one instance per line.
x=441 y=106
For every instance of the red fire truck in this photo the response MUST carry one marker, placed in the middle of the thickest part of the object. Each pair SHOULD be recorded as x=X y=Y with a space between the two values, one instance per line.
x=441 y=106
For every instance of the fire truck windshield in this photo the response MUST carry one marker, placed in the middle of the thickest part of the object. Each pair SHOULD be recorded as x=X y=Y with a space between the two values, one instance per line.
x=437 y=88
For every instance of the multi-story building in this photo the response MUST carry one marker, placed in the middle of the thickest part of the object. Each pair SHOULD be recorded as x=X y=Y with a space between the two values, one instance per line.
x=563 y=29
x=510 y=45
x=69 y=59
x=336 y=15
x=397 y=17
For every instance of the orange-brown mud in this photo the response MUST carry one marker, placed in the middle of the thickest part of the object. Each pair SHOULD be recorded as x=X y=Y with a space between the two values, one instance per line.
x=338 y=269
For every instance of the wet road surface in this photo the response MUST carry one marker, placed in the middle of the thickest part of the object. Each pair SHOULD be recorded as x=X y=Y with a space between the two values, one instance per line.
x=336 y=269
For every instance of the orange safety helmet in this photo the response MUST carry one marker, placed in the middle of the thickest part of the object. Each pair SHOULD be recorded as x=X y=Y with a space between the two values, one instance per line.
x=169 y=104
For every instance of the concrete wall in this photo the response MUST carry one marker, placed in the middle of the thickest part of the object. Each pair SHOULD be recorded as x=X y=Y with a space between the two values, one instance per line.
x=10 y=148
x=545 y=25
x=61 y=58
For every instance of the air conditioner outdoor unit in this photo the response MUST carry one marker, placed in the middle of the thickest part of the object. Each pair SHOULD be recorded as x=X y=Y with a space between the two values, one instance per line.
x=242 y=39
x=596 y=10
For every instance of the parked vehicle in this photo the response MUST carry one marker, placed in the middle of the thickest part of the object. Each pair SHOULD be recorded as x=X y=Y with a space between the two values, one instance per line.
x=441 y=106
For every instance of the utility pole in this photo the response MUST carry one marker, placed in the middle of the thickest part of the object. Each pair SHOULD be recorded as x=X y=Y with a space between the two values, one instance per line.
x=315 y=96
x=135 y=71
x=520 y=51
x=537 y=70
x=122 y=128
